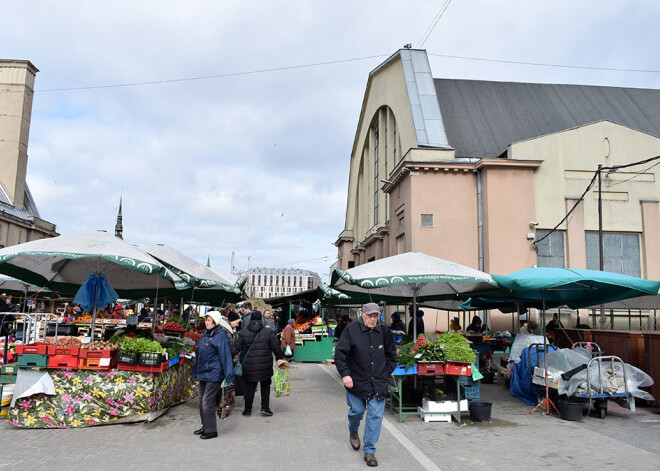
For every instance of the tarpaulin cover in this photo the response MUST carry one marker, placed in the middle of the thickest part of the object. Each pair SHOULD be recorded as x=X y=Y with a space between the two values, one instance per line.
x=521 y=381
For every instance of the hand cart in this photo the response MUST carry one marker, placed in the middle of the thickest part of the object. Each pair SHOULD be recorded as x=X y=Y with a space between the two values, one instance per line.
x=598 y=400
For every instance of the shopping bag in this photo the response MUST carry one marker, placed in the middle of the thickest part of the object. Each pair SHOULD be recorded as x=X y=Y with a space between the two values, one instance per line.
x=227 y=397
x=282 y=382
x=288 y=351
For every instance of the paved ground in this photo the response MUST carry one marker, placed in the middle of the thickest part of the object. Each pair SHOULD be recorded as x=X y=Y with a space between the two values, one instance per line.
x=308 y=431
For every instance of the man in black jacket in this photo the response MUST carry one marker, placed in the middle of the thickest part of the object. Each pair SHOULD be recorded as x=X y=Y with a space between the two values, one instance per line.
x=365 y=358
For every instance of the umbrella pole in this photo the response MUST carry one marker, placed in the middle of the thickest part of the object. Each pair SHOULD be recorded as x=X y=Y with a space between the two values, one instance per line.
x=414 y=312
x=91 y=334
x=153 y=318
x=546 y=399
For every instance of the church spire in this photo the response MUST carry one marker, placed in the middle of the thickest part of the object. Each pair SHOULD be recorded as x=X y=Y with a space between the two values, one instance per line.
x=208 y=261
x=119 y=227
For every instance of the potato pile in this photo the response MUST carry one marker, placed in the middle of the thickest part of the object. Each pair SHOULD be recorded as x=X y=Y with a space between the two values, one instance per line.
x=99 y=345
x=68 y=342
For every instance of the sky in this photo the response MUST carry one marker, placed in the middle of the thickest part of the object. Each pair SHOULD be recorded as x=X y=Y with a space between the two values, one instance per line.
x=228 y=126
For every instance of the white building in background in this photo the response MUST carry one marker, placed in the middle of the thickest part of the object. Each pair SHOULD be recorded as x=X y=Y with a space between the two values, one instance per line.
x=270 y=282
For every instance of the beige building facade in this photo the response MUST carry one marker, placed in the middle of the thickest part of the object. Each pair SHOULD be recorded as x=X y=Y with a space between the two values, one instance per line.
x=19 y=218
x=485 y=173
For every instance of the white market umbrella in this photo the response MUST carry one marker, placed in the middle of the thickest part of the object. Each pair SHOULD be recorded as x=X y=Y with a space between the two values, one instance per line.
x=412 y=276
x=63 y=263
x=209 y=285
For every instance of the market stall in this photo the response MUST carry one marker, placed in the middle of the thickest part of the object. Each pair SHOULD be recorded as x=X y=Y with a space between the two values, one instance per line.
x=313 y=340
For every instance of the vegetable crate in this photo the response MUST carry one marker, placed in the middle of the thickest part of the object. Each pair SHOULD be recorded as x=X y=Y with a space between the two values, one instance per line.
x=173 y=361
x=430 y=368
x=32 y=360
x=55 y=350
x=9 y=369
x=150 y=358
x=62 y=361
x=7 y=379
x=34 y=349
x=99 y=363
x=142 y=368
x=472 y=393
x=84 y=353
x=131 y=358
x=458 y=368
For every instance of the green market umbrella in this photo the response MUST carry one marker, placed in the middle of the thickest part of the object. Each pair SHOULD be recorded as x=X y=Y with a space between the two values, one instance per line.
x=412 y=277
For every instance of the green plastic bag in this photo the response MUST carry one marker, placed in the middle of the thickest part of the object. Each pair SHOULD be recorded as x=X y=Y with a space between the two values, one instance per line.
x=282 y=383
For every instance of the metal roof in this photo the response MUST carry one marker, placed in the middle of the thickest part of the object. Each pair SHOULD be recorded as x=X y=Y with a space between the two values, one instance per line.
x=482 y=118
x=8 y=208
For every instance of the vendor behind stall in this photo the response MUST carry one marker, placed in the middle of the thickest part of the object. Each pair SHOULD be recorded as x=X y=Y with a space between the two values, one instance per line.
x=476 y=325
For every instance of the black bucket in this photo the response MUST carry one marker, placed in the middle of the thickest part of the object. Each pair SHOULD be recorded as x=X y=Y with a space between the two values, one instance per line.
x=489 y=377
x=480 y=411
x=570 y=410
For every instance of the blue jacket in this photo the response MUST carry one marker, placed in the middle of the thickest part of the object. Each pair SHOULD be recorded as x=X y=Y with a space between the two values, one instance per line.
x=213 y=359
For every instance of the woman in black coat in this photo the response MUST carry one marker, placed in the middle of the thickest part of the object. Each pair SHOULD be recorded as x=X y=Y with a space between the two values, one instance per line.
x=258 y=366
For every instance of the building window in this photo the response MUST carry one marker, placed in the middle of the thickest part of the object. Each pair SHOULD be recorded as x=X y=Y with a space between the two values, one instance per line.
x=394 y=151
x=271 y=281
x=401 y=244
x=376 y=170
x=621 y=253
x=277 y=281
x=427 y=220
x=550 y=251
x=294 y=281
x=288 y=281
x=253 y=280
x=300 y=283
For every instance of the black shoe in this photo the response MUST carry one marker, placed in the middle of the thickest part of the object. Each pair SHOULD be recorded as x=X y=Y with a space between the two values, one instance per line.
x=355 y=441
x=206 y=436
x=199 y=432
x=370 y=459
x=267 y=412
x=247 y=412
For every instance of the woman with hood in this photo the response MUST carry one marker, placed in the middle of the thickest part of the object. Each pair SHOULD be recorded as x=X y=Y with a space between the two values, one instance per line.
x=256 y=346
x=213 y=364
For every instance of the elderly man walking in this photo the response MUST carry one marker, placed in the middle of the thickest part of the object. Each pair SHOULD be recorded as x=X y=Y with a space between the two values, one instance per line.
x=365 y=358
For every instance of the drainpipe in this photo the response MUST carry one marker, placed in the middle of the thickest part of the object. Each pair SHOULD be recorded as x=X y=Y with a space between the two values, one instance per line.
x=480 y=230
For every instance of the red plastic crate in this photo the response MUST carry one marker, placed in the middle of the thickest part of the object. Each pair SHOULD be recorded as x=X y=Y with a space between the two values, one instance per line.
x=458 y=368
x=103 y=363
x=84 y=353
x=55 y=350
x=142 y=368
x=62 y=361
x=35 y=348
x=430 y=368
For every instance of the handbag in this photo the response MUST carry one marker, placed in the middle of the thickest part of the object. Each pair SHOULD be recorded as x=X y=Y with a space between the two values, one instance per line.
x=238 y=368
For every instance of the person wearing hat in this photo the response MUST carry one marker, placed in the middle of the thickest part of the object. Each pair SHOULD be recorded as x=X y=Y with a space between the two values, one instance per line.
x=397 y=324
x=420 y=321
x=213 y=364
x=258 y=363
x=455 y=324
x=365 y=357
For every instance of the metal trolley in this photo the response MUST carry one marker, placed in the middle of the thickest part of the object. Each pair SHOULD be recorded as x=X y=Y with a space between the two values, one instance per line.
x=598 y=400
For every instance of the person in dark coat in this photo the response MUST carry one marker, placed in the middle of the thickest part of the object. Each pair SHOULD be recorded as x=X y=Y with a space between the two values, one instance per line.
x=213 y=364
x=397 y=323
x=345 y=320
x=365 y=357
x=476 y=325
x=258 y=367
x=420 y=321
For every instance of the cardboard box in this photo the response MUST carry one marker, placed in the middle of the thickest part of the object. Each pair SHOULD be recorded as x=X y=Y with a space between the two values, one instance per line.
x=444 y=406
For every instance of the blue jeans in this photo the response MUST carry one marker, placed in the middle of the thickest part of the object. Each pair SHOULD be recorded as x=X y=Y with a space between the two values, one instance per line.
x=374 y=409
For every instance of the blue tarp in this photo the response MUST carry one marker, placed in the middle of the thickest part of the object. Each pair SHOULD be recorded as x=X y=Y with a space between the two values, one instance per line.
x=521 y=381
x=104 y=295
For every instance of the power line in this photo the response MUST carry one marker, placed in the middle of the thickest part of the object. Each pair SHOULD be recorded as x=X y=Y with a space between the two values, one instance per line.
x=430 y=29
x=207 y=77
x=539 y=64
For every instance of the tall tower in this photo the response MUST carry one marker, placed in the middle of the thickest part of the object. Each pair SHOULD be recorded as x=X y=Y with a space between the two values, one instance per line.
x=16 y=94
x=119 y=227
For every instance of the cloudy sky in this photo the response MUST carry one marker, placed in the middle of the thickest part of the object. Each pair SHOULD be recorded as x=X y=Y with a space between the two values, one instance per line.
x=252 y=155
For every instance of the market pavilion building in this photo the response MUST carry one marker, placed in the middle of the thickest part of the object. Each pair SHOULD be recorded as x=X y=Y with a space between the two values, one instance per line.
x=19 y=218
x=477 y=172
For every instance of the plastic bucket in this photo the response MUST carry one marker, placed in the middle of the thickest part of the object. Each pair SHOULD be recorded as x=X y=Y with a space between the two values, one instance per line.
x=570 y=410
x=480 y=411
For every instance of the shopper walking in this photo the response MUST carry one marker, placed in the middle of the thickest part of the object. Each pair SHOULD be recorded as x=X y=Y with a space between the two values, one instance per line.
x=269 y=323
x=213 y=364
x=289 y=339
x=256 y=346
x=365 y=358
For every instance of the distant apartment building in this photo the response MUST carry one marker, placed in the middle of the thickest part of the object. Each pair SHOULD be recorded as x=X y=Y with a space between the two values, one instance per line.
x=19 y=218
x=270 y=282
